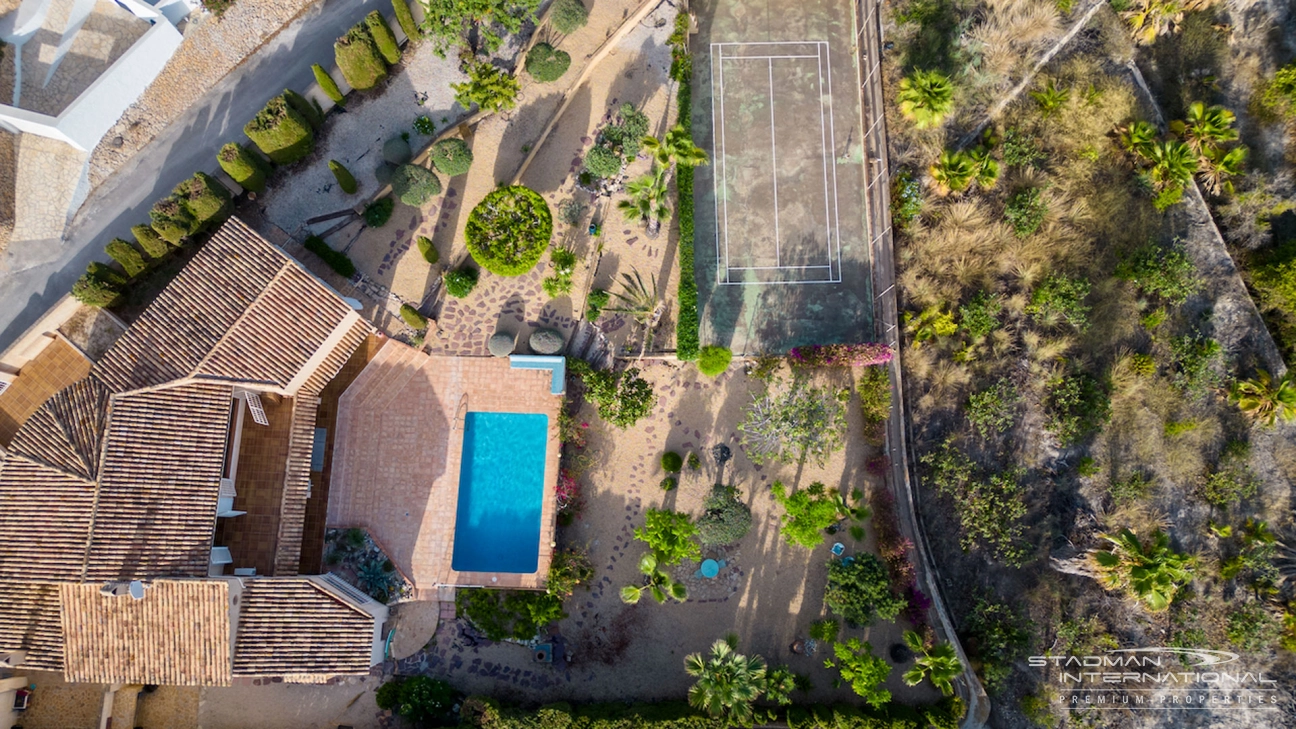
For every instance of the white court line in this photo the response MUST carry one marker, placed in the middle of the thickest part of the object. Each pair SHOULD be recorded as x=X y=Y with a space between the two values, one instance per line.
x=717 y=121
x=772 y=268
x=823 y=142
x=778 y=257
x=832 y=135
x=762 y=58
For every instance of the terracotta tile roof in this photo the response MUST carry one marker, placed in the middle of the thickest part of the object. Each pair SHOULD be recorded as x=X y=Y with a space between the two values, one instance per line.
x=297 y=486
x=178 y=634
x=58 y=365
x=296 y=629
x=336 y=359
x=29 y=620
x=163 y=457
x=64 y=433
x=241 y=310
x=45 y=518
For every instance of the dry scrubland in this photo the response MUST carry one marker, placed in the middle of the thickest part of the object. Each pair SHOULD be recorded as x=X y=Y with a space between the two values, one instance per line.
x=1068 y=358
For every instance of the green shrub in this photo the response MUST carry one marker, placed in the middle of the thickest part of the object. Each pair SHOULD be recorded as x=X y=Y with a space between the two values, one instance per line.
x=1025 y=211
x=1000 y=638
x=459 y=283
x=378 y=212
x=170 y=221
x=383 y=37
x=281 y=132
x=326 y=82
x=509 y=230
x=714 y=360
x=1021 y=149
x=405 y=19
x=1060 y=299
x=874 y=388
x=1165 y=273
x=336 y=260
x=672 y=462
x=602 y=162
x=991 y=509
x=307 y=108
x=1131 y=489
x=1251 y=628
x=595 y=303
x=243 y=166
x=126 y=256
x=626 y=132
x=205 y=199
x=670 y=535
x=427 y=250
x=808 y=512
x=424 y=126
x=686 y=323
x=412 y=317
x=359 y=60
x=980 y=316
x=993 y=410
x=415 y=185
x=516 y=614
x=1197 y=364
x=396 y=151
x=545 y=63
x=344 y=178
x=1078 y=406
x=445 y=22
x=150 y=241
x=906 y=198
x=859 y=591
x=99 y=287
x=668 y=484
x=622 y=399
x=567 y=16
x=1278 y=96
x=451 y=157
x=489 y=87
x=725 y=518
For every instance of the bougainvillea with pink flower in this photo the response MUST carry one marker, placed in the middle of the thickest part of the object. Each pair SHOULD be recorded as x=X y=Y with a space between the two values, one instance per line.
x=841 y=355
x=568 y=494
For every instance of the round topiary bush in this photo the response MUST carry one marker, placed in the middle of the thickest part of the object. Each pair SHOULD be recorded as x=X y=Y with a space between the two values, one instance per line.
x=460 y=283
x=415 y=185
x=714 y=360
x=725 y=518
x=671 y=462
x=427 y=250
x=396 y=151
x=546 y=63
x=602 y=162
x=378 y=212
x=669 y=483
x=451 y=157
x=501 y=344
x=509 y=230
x=568 y=15
x=546 y=341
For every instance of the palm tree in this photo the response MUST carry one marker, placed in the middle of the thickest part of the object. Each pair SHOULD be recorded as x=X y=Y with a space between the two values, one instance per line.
x=1150 y=18
x=1151 y=574
x=954 y=171
x=940 y=663
x=727 y=682
x=1204 y=127
x=1050 y=98
x=638 y=300
x=1173 y=164
x=676 y=147
x=987 y=169
x=646 y=202
x=1137 y=139
x=1218 y=167
x=658 y=584
x=1265 y=400
x=926 y=98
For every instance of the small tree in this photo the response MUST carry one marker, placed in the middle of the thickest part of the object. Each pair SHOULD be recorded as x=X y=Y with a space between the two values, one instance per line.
x=451 y=157
x=809 y=512
x=460 y=282
x=568 y=16
x=795 y=423
x=171 y=221
x=1151 y=573
x=670 y=535
x=926 y=98
x=656 y=583
x=725 y=518
x=126 y=256
x=99 y=287
x=415 y=185
x=422 y=700
x=546 y=63
x=603 y=162
x=859 y=591
x=728 y=683
x=864 y=671
x=405 y=19
x=622 y=399
x=646 y=202
x=940 y=663
x=243 y=166
x=447 y=22
x=383 y=37
x=344 y=178
x=509 y=230
x=490 y=88
x=281 y=132
x=326 y=82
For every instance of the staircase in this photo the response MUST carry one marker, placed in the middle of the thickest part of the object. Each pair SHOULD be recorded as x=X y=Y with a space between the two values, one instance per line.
x=589 y=343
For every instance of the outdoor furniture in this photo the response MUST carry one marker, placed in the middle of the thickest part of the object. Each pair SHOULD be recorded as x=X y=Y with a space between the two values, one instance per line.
x=710 y=568
x=838 y=549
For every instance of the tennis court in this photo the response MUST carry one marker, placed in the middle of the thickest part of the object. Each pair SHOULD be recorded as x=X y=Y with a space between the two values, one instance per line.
x=779 y=250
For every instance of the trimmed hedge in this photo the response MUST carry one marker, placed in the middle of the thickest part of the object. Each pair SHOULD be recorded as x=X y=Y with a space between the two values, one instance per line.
x=378 y=212
x=150 y=241
x=336 y=260
x=344 y=178
x=686 y=324
x=383 y=37
x=126 y=256
x=205 y=199
x=451 y=157
x=243 y=166
x=415 y=185
x=546 y=63
x=567 y=16
x=714 y=360
x=281 y=132
x=427 y=250
x=406 y=20
x=306 y=107
x=412 y=317
x=509 y=230
x=327 y=84
x=358 y=59
x=100 y=286
x=396 y=151
x=171 y=221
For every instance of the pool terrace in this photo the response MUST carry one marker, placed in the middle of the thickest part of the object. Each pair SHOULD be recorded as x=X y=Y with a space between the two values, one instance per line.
x=397 y=450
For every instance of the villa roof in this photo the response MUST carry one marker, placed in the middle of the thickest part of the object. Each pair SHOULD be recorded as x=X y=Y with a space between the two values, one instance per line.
x=298 y=629
x=29 y=620
x=178 y=634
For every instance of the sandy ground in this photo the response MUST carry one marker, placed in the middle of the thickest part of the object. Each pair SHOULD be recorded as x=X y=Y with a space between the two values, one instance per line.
x=293 y=706
x=768 y=593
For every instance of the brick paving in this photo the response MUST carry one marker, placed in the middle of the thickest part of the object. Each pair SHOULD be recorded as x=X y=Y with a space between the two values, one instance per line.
x=395 y=471
x=56 y=367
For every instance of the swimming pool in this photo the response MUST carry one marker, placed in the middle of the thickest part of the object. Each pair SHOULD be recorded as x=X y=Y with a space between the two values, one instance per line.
x=501 y=490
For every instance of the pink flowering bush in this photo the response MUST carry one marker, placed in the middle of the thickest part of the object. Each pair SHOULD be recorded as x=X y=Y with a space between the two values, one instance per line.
x=840 y=355
x=568 y=494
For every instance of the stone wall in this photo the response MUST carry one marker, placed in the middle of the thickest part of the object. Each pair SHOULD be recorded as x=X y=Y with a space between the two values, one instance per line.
x=8 y=158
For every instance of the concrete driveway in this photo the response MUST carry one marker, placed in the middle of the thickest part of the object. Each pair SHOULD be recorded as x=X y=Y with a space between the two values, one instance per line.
x=34 y=274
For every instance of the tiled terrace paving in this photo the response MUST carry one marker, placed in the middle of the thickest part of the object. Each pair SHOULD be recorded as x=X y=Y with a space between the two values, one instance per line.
x=395 y=468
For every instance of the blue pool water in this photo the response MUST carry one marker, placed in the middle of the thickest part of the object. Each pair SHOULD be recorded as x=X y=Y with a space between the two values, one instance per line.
x=501 y=490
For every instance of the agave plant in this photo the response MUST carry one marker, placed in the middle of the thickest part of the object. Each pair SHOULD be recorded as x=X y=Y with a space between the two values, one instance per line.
x=1150 y=18
x=1137 y=139
x=676 y=147
x=954 y=171
x=1218 y=167
x=926 y=98
x=940 y=663
x=656 y=583
x=1264 y=399
x=637 y=300
x=1152 y=574
x=727 y=682
x=646 y=202
x=1204 y=127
